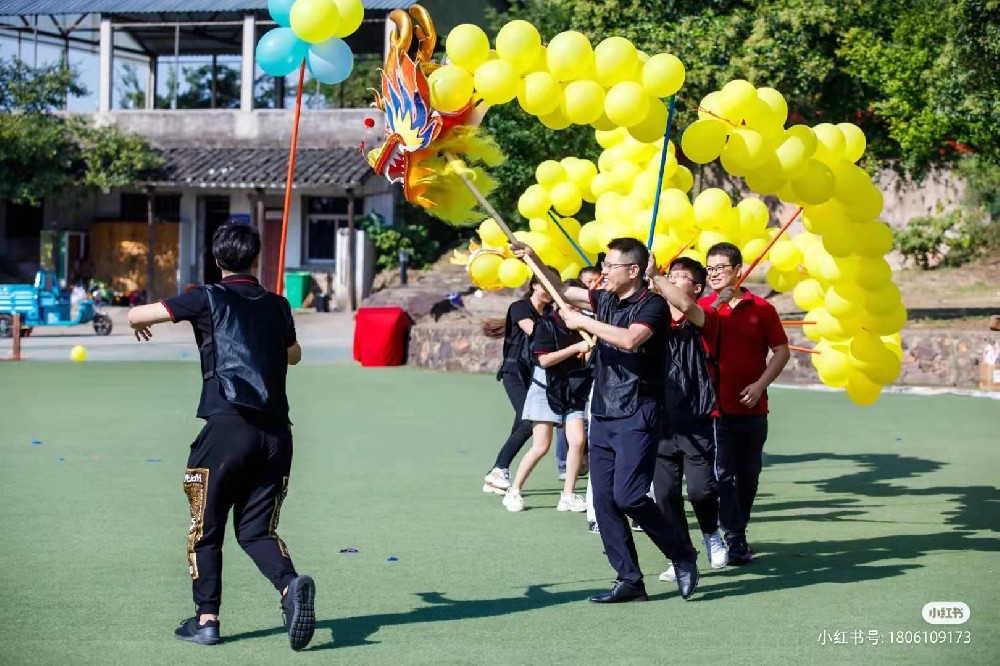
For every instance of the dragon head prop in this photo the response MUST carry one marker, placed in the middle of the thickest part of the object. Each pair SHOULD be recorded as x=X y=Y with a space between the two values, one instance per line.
x=418 y=137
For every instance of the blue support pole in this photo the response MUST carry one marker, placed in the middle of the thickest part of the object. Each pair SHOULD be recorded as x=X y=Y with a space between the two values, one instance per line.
x=663 y=165
x=576 y=247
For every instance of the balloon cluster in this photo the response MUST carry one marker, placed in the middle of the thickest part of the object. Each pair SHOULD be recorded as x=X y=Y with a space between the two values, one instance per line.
x=313 y=30
x=568 y=81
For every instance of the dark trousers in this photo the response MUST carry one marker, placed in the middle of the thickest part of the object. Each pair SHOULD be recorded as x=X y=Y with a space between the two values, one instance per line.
x=562 y=449
x=690 y=454
x=738 y=462
x=235 y=464
x=517 y=390
x=622 y=460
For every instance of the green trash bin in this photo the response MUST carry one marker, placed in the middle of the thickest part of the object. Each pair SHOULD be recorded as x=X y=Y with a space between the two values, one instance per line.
x=296 y=287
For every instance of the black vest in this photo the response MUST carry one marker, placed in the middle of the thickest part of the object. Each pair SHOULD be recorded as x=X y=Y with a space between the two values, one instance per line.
x=624 y=379
x=247 y=352
x=688 y=391
x=567 y=384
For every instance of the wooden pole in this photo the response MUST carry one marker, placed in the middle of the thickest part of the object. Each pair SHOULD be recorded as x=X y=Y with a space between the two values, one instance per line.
x=15 y=351
x=259 y=225
x=535 y=268
x=289 y=181
x=151 y=243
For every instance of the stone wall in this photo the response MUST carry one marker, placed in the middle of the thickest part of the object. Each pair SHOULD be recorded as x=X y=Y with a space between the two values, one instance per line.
x=931 y=357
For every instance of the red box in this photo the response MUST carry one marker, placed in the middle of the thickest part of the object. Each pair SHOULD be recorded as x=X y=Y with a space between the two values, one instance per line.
x=380 y=336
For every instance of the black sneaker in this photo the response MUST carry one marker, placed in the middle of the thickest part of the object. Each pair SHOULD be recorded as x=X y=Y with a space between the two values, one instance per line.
x=298 y=611
x=592 y=527
x=202 y=634
x=635 y=527
x=739 y=552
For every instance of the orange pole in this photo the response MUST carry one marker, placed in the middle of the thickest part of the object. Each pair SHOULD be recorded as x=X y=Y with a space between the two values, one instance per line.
x=291 y=175
x=767 y=249
x=804 y=350
x=796 y=322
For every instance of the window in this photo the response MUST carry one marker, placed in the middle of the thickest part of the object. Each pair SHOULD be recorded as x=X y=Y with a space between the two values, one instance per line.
x=166 y=208
x=324 y=217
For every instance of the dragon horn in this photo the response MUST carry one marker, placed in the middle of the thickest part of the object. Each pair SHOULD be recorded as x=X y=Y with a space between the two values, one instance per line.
x=402 y=35
x=426 y=34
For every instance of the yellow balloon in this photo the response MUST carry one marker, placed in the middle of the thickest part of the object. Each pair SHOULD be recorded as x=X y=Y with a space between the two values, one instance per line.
x=519 y=43
x=754 y=216
x=873 y=273
x=497 y=81
x=850 y=180
x=467 y=46
x=675 y=209
x=792 y=154
x=580 y=172
x=624 y=174
x=603 y=124
x=615 y=60
x=704 y=140
x=569 y=55
x=491 y=234
x=451 y=88
x=833 y=364
x=874 y=239
x=808 y=295
x=867 y=204
x=776 y=101
x=884 y=301
x=556 y=120
x=782 y=281
x=844 y=300
x=351 y=14
x=610 y=138
x=682 y=179
x=606 y=207
x=767 y=178
x=735 y=97
x=654 y=125
x=592 y=238
x=626 y=104
x=861 y=390
x=890 y=323
x=711 y=106
x=854 y=141
x=710 y=204
x=314 y=21
x=484 y=270
x=601 y=184
x=571 y=271
x=743 y=151
x=534 y=202
x=785 y=257
x=662 y=75
x=566 y=198
x=540 y=94
x=815 y=183
x=512 y=273
x=583 y=102
x=830 y=142
x=761 y=118
x=707 y=239
x=753 y=248
x=550 y=173
x=664 y=247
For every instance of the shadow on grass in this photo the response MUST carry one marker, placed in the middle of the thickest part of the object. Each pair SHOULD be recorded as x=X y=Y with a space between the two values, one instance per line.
x=785 y=566
x=355 y=631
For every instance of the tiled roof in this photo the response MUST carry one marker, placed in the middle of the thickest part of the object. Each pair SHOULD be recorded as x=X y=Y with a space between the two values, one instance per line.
x=30 y=7
x=249 y=168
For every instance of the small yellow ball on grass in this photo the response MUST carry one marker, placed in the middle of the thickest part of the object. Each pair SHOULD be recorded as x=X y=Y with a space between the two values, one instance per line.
x=78 y=354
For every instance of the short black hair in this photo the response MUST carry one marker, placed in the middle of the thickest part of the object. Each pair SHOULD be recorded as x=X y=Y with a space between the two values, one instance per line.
x=694 y=267
x=235 y=246
x=573 y=282
x=588 y=269
x=633 y=250
x=727 y=250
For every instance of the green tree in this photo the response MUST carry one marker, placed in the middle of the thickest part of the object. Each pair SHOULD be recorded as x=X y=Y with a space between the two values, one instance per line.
x=42 y=153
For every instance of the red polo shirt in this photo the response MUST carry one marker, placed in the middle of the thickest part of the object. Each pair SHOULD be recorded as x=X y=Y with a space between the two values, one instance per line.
x=748 y=332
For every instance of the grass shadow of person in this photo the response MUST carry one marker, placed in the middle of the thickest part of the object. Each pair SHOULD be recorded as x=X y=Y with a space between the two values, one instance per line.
x=356 y=631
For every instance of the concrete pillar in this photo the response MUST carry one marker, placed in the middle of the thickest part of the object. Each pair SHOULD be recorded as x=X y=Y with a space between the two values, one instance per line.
x=151 y=83
x=105 y=68
x=247 y=64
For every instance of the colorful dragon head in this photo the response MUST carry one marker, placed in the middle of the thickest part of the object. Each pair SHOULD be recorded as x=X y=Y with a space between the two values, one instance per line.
x=417 y=135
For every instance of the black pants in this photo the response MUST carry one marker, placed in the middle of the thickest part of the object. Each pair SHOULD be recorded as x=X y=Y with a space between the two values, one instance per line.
x=235 y=464
x=690 y=454
x=739 y=459
x=622 y=460
x=517 y=390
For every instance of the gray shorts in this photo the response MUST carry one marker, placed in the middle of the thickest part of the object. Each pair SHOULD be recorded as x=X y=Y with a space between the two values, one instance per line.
x=537 y=407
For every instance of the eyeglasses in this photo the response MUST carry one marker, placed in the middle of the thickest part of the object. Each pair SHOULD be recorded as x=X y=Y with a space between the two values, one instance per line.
x=679 y=276
x=606 y=267
x=717 y=270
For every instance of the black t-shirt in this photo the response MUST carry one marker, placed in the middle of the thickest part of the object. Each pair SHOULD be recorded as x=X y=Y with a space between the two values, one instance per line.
x=624 y=379
x=516 y=343
x=193 y=307
x=568 y=382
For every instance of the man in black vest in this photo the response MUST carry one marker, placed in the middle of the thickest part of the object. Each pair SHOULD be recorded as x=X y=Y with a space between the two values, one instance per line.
x=630 y=323
x=690 y=411
x=243 y=456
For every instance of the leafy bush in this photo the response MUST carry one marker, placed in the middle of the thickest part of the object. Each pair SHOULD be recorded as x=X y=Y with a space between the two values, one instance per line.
x=389 y=241
x=951 y=239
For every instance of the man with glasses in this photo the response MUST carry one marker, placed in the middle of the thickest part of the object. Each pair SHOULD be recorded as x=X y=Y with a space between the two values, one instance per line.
x=687 y=443
x=750 y=329
x=631 y=324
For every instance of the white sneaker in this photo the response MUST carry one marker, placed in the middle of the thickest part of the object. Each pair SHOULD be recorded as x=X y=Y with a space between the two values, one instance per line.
x=668 y=576
x=513 y=501
x=573 y=503
x=497 y=481
x=718 y=554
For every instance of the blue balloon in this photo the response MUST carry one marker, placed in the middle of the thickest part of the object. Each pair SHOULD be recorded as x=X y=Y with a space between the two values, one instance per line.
x=330 y=61
x=280 y=11
x=280 y=52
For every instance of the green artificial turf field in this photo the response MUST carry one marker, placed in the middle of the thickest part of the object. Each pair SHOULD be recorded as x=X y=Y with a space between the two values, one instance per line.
x=864 y=516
